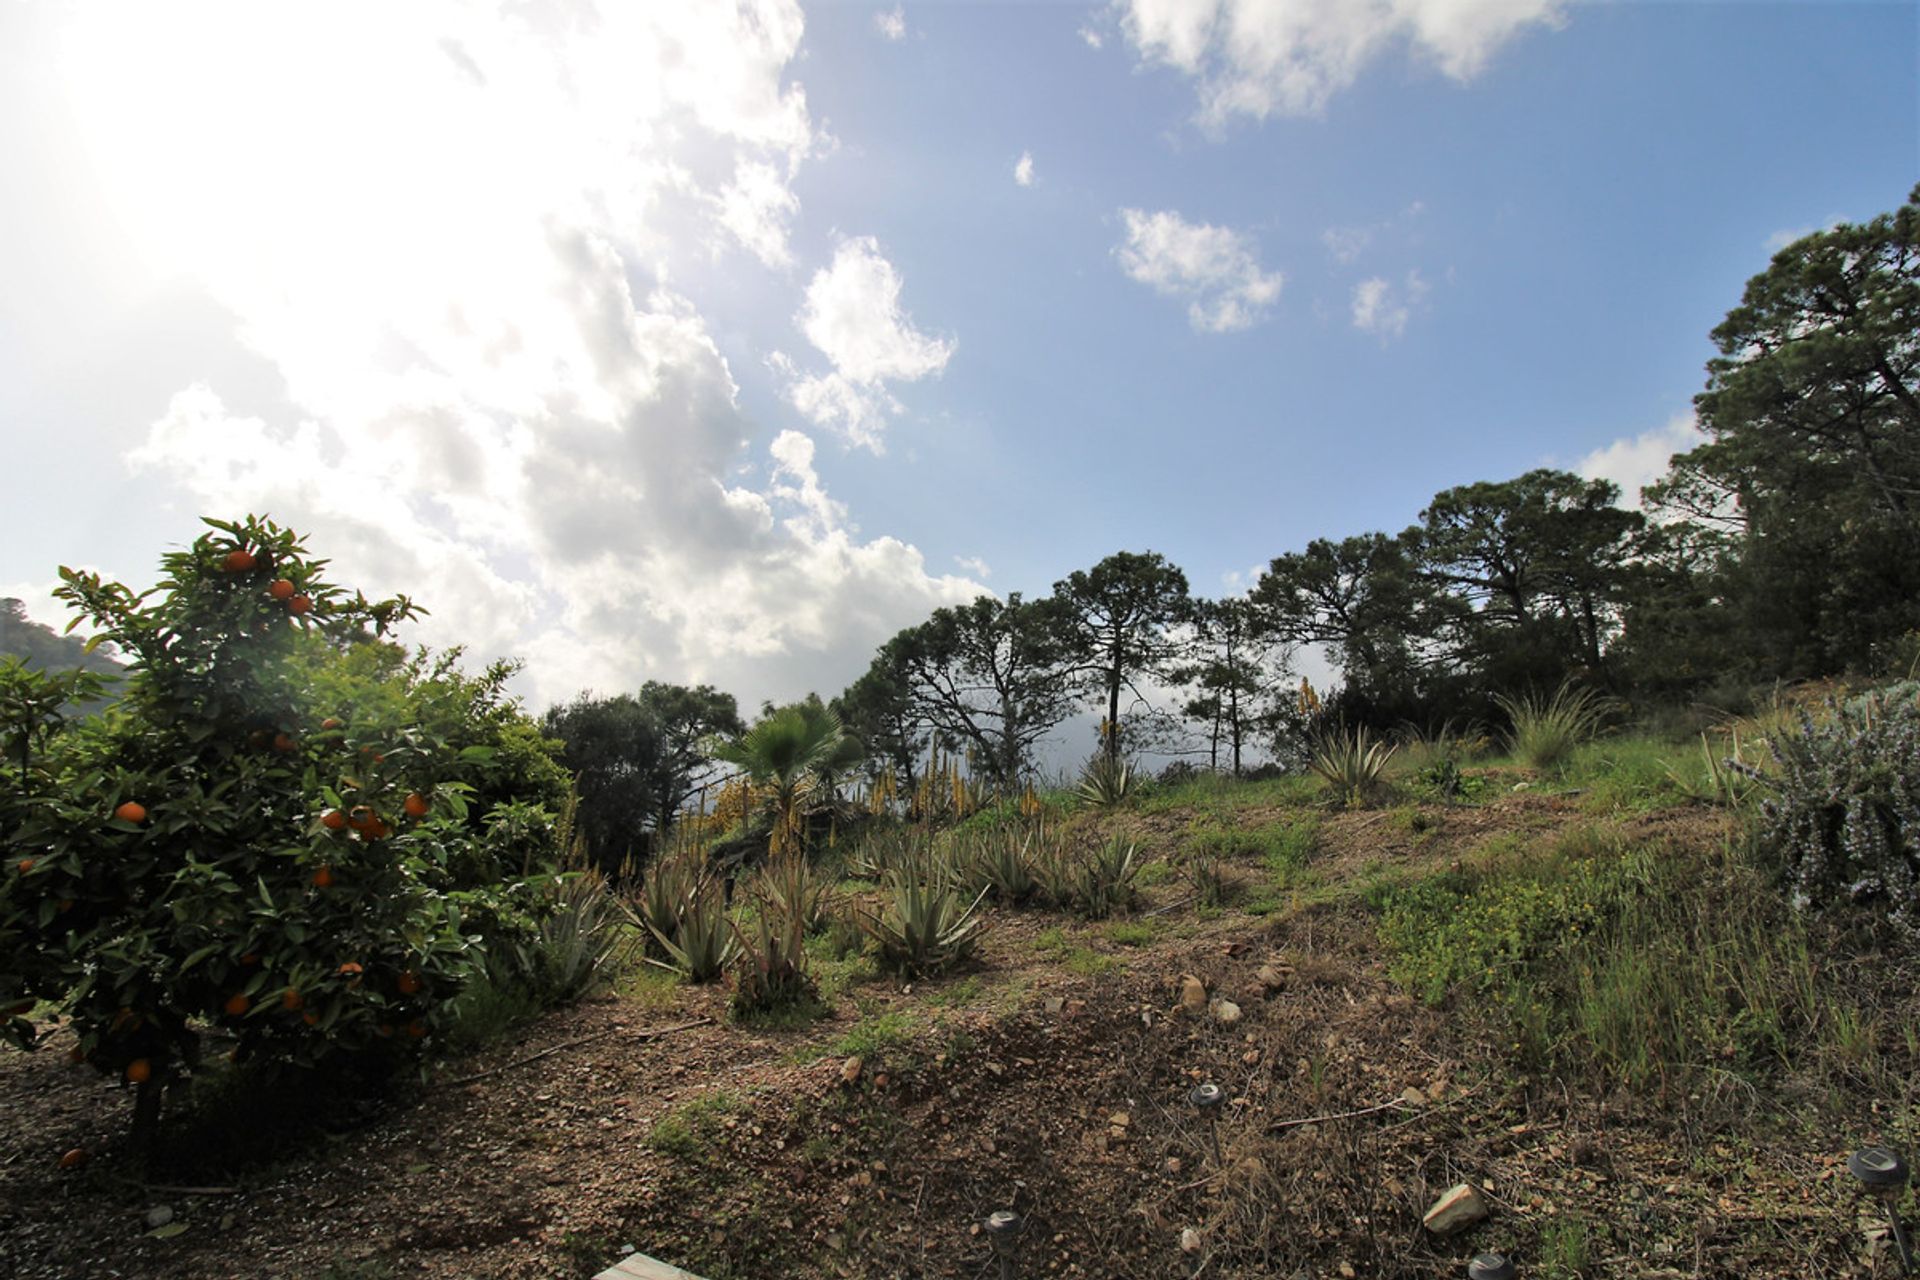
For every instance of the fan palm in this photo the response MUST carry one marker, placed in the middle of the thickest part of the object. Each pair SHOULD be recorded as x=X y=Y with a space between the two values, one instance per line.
x=797 y=754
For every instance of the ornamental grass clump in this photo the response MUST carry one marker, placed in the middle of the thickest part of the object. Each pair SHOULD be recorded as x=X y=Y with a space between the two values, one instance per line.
x=1843 y=811
x=1546 y=730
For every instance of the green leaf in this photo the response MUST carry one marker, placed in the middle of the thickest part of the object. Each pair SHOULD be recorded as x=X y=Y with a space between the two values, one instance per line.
x=167 y=1232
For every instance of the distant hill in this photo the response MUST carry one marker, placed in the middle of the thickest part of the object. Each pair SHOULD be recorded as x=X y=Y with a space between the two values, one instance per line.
x=38 y=645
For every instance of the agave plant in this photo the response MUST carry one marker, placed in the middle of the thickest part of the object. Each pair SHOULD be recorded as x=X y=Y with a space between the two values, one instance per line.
x=1546 y=730
x=925 y=924
x=1352 y=762
x=704 y=943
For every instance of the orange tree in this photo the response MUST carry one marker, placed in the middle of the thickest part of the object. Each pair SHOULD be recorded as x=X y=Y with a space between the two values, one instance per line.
x=219 y=853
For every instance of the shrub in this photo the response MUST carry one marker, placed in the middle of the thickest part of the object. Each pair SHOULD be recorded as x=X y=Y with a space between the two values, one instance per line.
x=220 y=850
x=1546 y=730
x=1843 y=813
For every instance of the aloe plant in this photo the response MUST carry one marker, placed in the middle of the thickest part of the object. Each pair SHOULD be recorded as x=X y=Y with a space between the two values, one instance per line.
x=1106 y=782
x=925 y=924
x=704 y=943
x=793 y=889
x=771 y=972
x=1352 y=762
x=1001 y=863
x=1103 y=883
x=665 y=890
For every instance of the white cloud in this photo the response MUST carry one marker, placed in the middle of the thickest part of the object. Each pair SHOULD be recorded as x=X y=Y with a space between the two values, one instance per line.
x=852 y=316
x=1381 y=309
x=756 y=207
x=1346 y=243
x=1023 y=169
x=1216 y=268
x=974 y=566
x=1093 y=38
x=1633 y=462
x=891 y=23
x=491 y=400
x=1289 y=57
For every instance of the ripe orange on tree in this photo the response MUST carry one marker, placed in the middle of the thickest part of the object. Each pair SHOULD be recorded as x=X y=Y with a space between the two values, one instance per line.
x=408 y=983
x=311 y=1018
x=323 y=878
x=284 y=742
x=290 y=1000
x=237 y=1004
x=416 y=1028
x=299 y=605
x=281 y=588
x=239 y=561
x=25 y=865
x=74 y=1158
x=416 y=805
x=131 y=811
x=139 y=1071
x=333 y=820
x=351 y=969
x=332 y=722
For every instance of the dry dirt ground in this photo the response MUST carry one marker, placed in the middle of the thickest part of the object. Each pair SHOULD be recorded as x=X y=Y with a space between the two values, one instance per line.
x=1050 y=1078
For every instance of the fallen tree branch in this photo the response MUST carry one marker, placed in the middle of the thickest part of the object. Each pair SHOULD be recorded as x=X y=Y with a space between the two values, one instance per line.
x=1171 y=906
x=1339 y=1115
x=650 y=1034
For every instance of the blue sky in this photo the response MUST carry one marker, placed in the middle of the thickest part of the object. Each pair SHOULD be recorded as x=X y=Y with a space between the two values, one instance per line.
x=721 y=342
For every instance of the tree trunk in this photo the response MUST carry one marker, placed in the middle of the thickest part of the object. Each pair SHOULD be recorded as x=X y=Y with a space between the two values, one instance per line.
x=146 y=1120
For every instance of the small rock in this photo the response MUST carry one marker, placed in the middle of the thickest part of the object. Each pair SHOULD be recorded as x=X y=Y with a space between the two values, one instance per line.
x=1412 y=1096
x=1189 y=1240
x=1172 y=1165
x=1226 y=1012
x=160 y=1215
x=1461 y=1206
x=1120 y=1119
x=1054 y=1004
x=850 y=1070
x=1270 y=979
x=1193 y=994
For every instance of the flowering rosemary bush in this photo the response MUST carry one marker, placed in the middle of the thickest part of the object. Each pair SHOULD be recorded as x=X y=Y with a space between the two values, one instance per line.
x=1844 y=813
